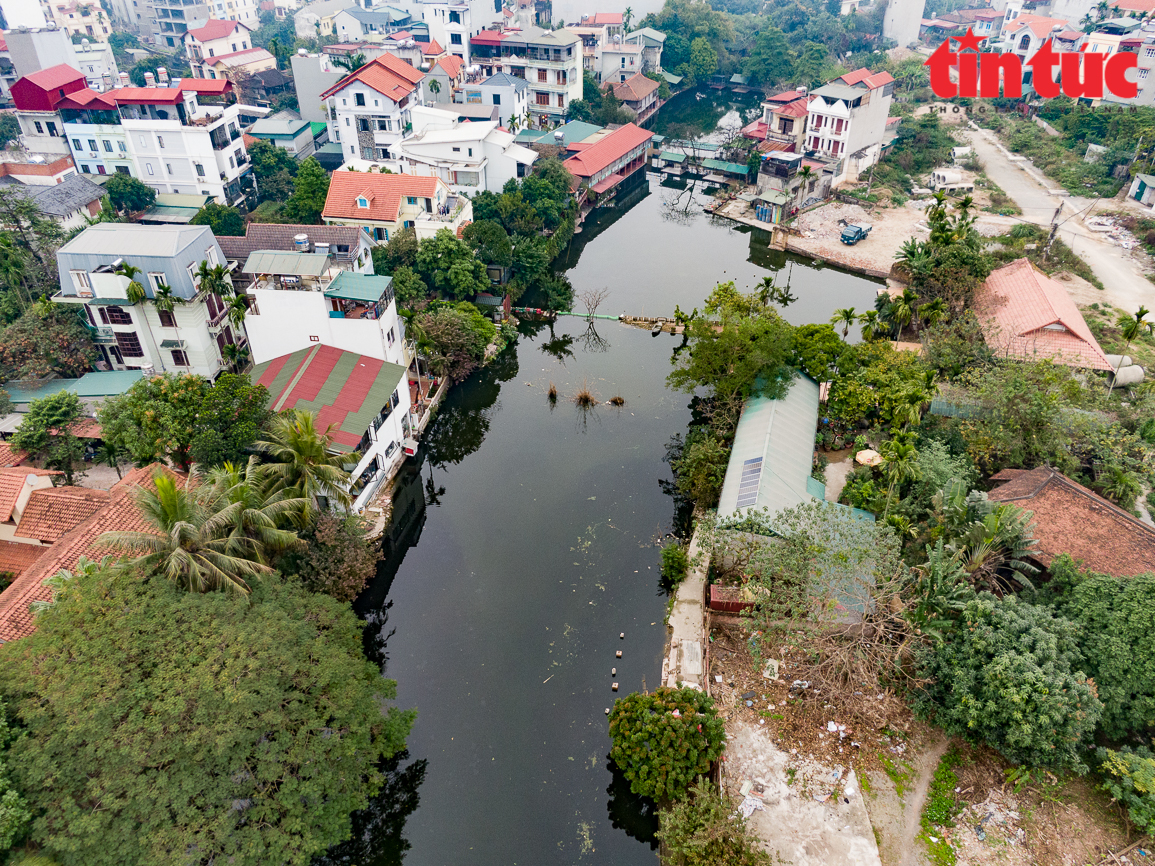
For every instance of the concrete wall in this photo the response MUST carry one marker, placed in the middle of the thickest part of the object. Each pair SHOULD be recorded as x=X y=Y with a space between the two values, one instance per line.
x=310 y=82
x=901 y=21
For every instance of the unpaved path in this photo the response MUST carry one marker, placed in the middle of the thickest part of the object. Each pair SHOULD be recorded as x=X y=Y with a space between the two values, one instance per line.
x=896 y=817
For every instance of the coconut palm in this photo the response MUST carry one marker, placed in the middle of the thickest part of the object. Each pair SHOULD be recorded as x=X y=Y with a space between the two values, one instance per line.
x=1119 y=485
x=189 y=539
x=213 y=278
x=1130 y=327
x=902 y=309
x=627 y=17
x=804 y=174
x=901 y=462
x=305 y=462
x=434 y=86
x=238 y=309
x=349 y=62
x=846 y=317
x=235 y=355
x=932 y=313
x=164 y=299
x=871 y=325
x=908 y=407
x=134 y=291
x=261 y=515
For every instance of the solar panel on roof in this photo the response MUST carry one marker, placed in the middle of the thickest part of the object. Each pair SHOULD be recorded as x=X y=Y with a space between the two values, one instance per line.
x=751 y=479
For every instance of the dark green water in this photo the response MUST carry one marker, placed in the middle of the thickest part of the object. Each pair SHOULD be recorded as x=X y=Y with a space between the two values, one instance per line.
x=527 y=538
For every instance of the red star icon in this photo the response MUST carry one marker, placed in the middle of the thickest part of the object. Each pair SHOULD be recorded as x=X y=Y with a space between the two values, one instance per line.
x=969 y=41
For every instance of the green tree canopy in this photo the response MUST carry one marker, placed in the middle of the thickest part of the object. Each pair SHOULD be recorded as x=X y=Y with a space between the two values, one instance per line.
x=489 y=242
x=46 y=340
x=337 y=558
x=310 y=189
x=400 y=250
x=268 y=160
x=455 y=336
x=664 y=740
x=221 y=219
x=156 y=419
x=169 y=727
x=127 y=194
x=45 y=432
x=229 y=420
x=447 y=265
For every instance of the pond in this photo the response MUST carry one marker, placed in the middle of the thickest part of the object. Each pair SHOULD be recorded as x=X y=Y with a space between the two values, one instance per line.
x=527 y=537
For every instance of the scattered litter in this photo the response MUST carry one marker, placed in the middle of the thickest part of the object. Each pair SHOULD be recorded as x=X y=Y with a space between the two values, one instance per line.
x=717 y=678
x=746 y=788
x=1114 y=231
x=749 y=806
x=747 y=696
x=770 y=671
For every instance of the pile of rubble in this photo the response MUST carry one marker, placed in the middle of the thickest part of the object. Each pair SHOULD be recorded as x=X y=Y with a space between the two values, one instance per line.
x=827 y=222
x=989 y=832
x=1114 y=230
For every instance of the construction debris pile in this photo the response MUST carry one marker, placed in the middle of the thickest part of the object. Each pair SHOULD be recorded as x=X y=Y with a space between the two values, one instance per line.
x=827 y=222
x=1114 y=230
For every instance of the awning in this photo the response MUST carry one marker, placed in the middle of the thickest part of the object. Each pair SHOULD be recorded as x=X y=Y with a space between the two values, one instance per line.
x=670 y=156
x=172 y=344
x=366 y=288
x=607 y=184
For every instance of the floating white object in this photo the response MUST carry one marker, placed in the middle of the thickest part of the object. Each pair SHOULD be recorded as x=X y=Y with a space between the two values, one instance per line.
x=607 y=711
x=619 y=654
x=613 y=672
x=622 y=635
x=615 y=687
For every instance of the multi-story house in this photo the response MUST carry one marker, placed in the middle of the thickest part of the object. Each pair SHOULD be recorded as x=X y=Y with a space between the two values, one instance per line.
x=286 y=129
x=97 y=62
x=550 y=61
x=783 y=120
x=469 y=157
x=452 y=22
x=36 y=97
x=81 y=19
x=317 y=19
x=988 y=24
x=214 y=38
x=166 y=136
x=604 y=165
x=508 y=94
x=847 y=121
x=369 y=109
x=618 y=60
x=167 y=21
x=639 y=94
x=349 y=247
x=449 y=73
x=8 y=73
x=383 y=204
x=1025 y=34
x=190 y=338
x=356 y=24
x=70 y=203
x=652 y=42
x=235 y=66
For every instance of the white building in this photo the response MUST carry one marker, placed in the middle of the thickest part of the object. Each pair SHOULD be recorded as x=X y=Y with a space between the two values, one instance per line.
x=214 y=38
x=362 y=401
x=357 y=24
x=652 y=42
x=847 y=121
x=70 y=203
x=901 y=21
x=369 y=110
x=510 y=95
x=453 y=22
x=97 y=62
x=81 y=19
x=619 y=60
x=549 y=61
x=188 y=339
x=469 y=157
x=167 y=21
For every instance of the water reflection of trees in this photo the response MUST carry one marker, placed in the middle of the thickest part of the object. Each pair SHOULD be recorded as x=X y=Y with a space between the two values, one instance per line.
x=559 y=347
x=590 y=340
x=637 y=816
x=462 y=422
x=377 y=838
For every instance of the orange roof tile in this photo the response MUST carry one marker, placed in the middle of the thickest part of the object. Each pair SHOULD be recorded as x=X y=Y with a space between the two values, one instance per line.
x=388 y=75
x=118 y=514
x=1026 y=314
x=214 y=28
x=12 y=481
x=604 y=153
x=16 y=558
x=797 y=108
x=9 y=456
x=431 y=48
x=1071 y=519
x=1039 y=25
x=865 y=77
x=635 y=88
x=53 y=511
x=452 y=64
x=384 y=192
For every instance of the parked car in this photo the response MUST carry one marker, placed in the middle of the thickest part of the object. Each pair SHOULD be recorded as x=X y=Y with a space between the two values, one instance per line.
x=855 y=232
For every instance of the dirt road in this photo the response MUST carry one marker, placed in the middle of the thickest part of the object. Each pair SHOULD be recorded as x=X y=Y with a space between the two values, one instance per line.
x=1126 y=284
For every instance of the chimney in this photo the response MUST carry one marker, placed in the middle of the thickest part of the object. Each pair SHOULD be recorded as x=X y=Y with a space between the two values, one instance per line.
x=301 y=243
x=149 y=80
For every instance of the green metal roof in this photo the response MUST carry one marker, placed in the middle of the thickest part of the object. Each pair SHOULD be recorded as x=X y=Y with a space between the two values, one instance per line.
x=729 y=167
x=773 y=197
x=283 y=263
x=101 y=384
x=318 y=126
x=672 y=78
x=358 y=287
x=670 y=156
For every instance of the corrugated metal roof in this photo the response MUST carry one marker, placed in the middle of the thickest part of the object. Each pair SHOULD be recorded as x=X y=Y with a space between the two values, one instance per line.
x=101 y=384
x=722 y=165
x=275 y=262
x=358 y=287
x=670 y=156
x=127 y=239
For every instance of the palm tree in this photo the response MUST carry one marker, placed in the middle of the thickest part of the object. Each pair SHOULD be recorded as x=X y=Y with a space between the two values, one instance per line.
x=434 y=87
x=1131 y=327
x=908 y=410
x=1120 y=485
x=871 y=325
x=933 y=313
x=845 y=317
x=915 y=256
x=349 y=62
x=256 y=522
x=235 y=355
x=190 y=540
x=212 y=278
x=804 y=174
x=901 y=463
x=62 y=579
x=304 y=462
x=164 y=299
x=902 y=309
x=627 y=17
x=134 y=291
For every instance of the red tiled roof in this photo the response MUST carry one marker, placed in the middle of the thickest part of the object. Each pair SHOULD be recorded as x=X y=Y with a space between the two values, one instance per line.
x=388 y=75
x=211 y=86
x=118 y=514
x=146 y=95
x=88 y=98
x=55 y=76
x=1071 y=519
x=12 y=481
x=613 y=147
x=988 y=14
x=786 y=96
x=775 y=147
x=756 y=130
x=602 y=18
x=52 y=511
x=607 y=183
x=1024 y=313
x=15 y=559
x=214 y=28
x=635 y=88
x=871 y=80
x=797 y=108
x=1039 y=25
x=431 y=48
x=452 y=64
x=9 y=456
x=384 y=192
x=486 y=37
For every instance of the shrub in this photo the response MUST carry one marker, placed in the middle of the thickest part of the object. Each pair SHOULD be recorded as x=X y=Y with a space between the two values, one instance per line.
x=1011 y=679
x=337 y=560
x=702 y=830
x=1129 y=777
x=675 y=562
x=664 y=740
x=700 y=466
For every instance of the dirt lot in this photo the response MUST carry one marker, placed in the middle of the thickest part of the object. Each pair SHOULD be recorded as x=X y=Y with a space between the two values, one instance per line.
x=821 y=738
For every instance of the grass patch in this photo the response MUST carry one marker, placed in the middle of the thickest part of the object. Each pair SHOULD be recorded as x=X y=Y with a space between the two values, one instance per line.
x=900 y=774
x=585 y=397
x=1030 y=241
x=864 y=783
x=940 y=810
x=1001 y=203
x=1060 y=159
x=1103 y=320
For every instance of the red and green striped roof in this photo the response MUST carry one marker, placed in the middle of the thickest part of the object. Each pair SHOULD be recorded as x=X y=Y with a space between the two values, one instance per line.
x=343 y=389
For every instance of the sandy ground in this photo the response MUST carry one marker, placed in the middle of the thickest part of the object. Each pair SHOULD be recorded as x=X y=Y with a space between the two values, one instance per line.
x=101 y=476
x=836 y=473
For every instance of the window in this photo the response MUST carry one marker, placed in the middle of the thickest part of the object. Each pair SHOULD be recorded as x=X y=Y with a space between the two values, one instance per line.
x=561 y=79
x=346 y=121
x=122 y=169
x=457 y=150
x=541 y=98
x=129 y=345
x=1143 y=74
x=115 y=316
x=168 y=167
x=384 y=126
x=363 y=125
x=39 y=127
x=234 y=46
x=157 y=280
x=497 y=99
x=211 y=256
x=167 y=319
x=148 y=168
x=358 y=98
x=92 y=144
x=85 y=169
x=623 y=63
x=561 y=100
x=120 y=146
x=410 y=199
x=454 y=38
x=362 y=201
x=179 y=358
x=212 y=52
x=160 y=141
x=76 y=144
x=200 y=169
x=389 y=337
x=381 y=234
x=107 y=146
x=81 y=283
x=100 y=169
x=542 y=76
